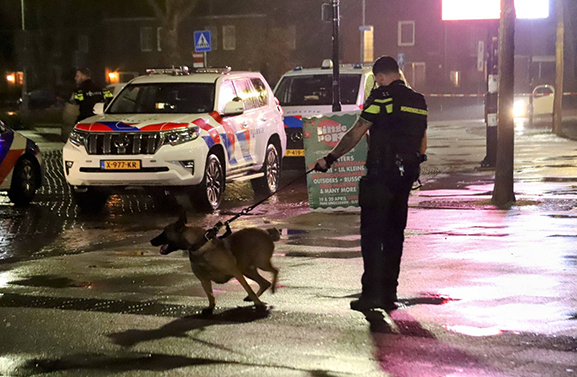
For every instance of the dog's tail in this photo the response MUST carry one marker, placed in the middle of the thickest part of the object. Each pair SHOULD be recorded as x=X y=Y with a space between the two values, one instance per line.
x=274 y=234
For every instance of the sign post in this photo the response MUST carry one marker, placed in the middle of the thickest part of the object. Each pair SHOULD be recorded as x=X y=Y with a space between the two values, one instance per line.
x=338 y=187
x=202 y=44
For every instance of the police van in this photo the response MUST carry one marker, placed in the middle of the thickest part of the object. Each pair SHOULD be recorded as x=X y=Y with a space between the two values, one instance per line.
x=309 y=91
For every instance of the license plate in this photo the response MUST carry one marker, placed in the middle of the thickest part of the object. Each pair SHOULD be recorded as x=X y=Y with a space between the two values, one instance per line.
x=120 y=165
x=295 y=152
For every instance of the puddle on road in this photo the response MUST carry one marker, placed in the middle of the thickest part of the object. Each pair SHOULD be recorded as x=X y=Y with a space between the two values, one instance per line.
x=474 y=331
x=48 y=282
x=293 y=233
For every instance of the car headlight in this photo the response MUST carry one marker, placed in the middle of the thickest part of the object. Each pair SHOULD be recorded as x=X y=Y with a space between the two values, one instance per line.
x=78 y=137
x=519 y=109
x=180 y=135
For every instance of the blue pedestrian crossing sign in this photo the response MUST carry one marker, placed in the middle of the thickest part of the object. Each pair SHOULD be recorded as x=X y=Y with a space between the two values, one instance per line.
x=401 y=60
x=202 y=41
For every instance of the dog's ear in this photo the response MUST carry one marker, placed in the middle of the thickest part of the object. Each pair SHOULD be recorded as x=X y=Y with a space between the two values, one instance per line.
x=181 y=221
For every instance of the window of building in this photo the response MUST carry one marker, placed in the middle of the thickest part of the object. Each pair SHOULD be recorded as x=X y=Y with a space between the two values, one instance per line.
x=213 y=37
x=455 y=77
x=229 y=37
x=292 y=37
x=159 y=38
x=83 y=43
x=146 y=39
x=406 y=33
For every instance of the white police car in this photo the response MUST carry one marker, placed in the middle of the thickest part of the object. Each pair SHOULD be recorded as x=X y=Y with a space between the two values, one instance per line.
x=179 y=131
x=21 y=166
x=308 y=92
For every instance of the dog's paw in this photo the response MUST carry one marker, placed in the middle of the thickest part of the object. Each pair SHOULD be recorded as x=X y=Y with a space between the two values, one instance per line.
x=207 y=311
x=260 y=307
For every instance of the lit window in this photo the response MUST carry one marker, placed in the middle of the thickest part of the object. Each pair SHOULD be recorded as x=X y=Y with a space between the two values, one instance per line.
x=406 y=33
x=456 y=78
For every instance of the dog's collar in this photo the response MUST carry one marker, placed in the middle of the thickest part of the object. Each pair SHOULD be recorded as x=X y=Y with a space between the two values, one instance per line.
x=210 y=235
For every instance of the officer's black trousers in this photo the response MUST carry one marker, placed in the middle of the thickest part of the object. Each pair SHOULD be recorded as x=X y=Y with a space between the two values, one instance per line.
x=384 y=206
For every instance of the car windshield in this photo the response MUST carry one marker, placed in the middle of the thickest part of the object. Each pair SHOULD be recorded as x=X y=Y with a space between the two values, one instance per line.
x=316 y=90
x=160 y=98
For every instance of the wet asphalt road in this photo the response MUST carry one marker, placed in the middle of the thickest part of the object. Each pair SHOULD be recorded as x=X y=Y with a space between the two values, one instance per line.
x=485 y=292
x=53 y=225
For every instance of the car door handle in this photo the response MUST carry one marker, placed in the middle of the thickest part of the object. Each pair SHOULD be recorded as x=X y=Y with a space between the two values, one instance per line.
x=245 y=125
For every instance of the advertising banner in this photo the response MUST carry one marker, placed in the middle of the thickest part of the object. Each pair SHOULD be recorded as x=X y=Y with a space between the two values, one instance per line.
x=338 y=187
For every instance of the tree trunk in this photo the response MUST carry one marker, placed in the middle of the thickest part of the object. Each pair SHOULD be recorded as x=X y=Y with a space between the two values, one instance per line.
x=503 y=194
x=171 y=56
x=171 y=13
x=559 y=70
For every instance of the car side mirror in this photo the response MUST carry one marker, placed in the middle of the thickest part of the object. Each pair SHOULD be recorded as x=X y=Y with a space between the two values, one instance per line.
x=233 y=108
x=98 y=108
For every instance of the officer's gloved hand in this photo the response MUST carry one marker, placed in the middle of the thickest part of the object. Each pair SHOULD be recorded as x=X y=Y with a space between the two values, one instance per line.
x=325 y=163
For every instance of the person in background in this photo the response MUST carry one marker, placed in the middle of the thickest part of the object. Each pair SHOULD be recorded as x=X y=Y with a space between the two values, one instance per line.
x=87 y=94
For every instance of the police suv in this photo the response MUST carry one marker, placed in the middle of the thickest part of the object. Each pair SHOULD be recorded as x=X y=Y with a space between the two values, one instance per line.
x=307 y=92
x=179 y=131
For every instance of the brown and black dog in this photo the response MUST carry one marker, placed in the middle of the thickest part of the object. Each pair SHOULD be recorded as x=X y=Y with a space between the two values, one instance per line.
x=220 y=259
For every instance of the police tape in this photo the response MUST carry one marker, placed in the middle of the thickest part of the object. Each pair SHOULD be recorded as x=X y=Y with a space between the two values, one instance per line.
x=483 y=95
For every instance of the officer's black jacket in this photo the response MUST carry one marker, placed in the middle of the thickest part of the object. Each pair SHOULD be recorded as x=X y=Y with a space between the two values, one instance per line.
x=399 y=120
x=87 y=95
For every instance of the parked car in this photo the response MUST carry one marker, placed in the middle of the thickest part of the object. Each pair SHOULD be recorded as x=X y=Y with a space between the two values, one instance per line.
x=21 y=166
x=308 y=91
x=179 y=132
x=44 y=99
x=539 y=103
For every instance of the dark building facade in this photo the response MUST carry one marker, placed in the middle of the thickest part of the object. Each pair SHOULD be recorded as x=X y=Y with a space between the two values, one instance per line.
x=126 y=37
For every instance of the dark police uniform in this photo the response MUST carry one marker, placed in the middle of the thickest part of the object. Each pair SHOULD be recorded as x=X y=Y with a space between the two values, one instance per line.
x=87 y=95
x=399 y=121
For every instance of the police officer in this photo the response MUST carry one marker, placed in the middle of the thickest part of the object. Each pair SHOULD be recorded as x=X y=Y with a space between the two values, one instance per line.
x=396 y=119
x=87 y=94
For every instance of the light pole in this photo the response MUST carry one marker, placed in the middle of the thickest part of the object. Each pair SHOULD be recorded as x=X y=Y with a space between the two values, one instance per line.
x=24 y=61
x=336 y=60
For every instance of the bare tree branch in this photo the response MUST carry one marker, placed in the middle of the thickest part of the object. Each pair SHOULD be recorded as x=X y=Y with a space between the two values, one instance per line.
x=188 y=9
x=157 y=10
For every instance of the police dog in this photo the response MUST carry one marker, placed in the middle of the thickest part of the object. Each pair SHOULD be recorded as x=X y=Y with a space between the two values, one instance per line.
x=220 y=259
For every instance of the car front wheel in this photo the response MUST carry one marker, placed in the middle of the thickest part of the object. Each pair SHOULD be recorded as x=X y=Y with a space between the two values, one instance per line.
x=268 y=184
x=24 y=179
x=208 y=194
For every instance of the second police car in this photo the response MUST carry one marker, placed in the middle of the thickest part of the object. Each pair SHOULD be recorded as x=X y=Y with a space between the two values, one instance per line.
x=21 y=166
x=308 y=92
x=174 y=131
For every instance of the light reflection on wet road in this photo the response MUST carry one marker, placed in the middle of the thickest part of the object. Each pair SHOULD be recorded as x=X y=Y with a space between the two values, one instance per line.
x=53 y=225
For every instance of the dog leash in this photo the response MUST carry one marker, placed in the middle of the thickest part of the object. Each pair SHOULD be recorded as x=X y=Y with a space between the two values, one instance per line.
x=213 y=232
